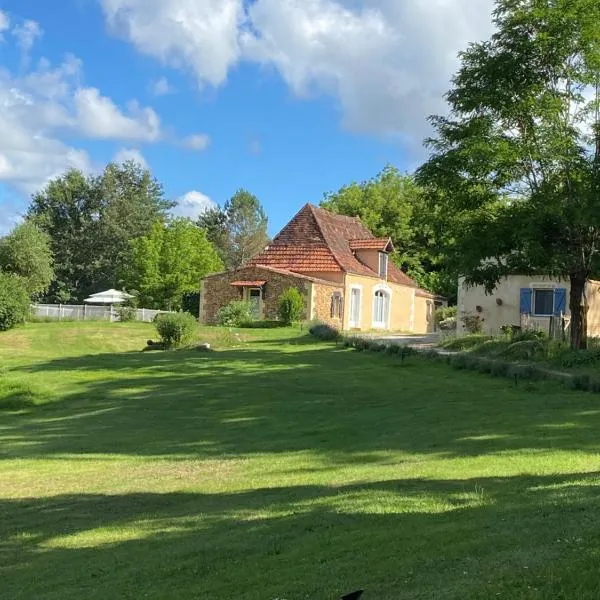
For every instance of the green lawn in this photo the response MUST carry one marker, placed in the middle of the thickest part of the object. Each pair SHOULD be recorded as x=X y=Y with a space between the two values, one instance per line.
x=281 y=468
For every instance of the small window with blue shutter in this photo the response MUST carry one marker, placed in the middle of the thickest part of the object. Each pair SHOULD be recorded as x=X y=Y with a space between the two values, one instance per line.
x=525 y=303
x=560 y=301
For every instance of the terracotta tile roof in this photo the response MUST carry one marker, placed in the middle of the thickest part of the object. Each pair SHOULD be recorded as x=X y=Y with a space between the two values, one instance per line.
x=399 y=276
x=300 y=276
x=316 y=240
x=297 y=258
x=381 y=244
x=248 y=283
x=425 y=294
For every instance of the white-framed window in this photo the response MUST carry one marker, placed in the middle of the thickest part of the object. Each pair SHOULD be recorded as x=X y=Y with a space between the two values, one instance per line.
x=383 y=265
x=355 y=306
x=381 y=309
x=543 y=302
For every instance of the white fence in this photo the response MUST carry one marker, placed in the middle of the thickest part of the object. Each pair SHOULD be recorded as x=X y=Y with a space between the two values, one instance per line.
x=84 y=312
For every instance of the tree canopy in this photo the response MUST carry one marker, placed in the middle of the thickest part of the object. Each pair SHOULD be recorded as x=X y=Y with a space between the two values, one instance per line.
x=168 y=263
x=239 y=230
x=516 y=164
x=25 y=252
x=392 y=205
x=91 y=221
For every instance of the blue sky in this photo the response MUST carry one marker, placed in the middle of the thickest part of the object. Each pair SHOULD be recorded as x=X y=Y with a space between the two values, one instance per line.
x=287 y=98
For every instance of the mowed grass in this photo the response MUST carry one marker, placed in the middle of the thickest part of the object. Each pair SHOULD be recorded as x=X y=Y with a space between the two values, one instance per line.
x=277 y=467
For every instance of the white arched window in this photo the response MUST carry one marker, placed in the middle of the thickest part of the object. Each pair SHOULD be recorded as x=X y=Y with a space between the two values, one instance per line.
x=381 y=309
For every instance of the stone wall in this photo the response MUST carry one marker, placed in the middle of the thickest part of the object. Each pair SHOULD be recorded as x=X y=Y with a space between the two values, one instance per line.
x=322 y=295
x=218 y=291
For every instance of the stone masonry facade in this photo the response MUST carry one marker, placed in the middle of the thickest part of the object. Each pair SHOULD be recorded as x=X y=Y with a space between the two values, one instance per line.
x=322 y=302
x=218 y=291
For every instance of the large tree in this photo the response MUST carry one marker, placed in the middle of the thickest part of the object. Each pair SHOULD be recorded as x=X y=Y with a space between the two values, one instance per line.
x=515 y=166
x=91 y=221
x=239 y=230
x=392 y=205
x=25 y=252
x=168 y=263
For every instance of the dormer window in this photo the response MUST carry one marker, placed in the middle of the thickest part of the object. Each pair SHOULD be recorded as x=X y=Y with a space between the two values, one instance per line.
x=383 y=265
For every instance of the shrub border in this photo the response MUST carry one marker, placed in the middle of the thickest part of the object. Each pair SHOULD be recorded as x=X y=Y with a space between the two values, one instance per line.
x=518 y=372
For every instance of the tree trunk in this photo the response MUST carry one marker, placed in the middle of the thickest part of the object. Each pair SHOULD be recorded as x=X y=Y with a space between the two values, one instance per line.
x=578 y=312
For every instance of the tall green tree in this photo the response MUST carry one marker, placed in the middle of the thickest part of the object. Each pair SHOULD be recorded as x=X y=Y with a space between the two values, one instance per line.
x=25 y=252
x=169 y=263
x=392 y=205
x=516 y=164
x=91 y=221
x=239 y=230
x=214 y=222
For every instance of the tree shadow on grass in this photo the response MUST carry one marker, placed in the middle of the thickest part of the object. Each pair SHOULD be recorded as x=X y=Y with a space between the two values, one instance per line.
x=291 y=399
x=520 y=537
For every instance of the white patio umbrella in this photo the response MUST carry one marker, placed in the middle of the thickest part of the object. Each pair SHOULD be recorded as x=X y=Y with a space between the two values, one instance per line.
x=108 y=297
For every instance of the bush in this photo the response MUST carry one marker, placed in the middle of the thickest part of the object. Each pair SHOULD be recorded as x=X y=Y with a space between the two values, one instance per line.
x=14 y=301
x=448 y=324
x=236 y=314
x=175 y=329
x=525 y=350
x=500 y=368
x=290 y=306
x=473 y=323
x=324 y=332
x=580 y=358
x=467 y=342
x=262 y=324
x=126 y=314
x=444 y=313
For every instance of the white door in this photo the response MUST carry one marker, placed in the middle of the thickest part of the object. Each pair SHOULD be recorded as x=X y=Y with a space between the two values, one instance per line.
x=354 y=308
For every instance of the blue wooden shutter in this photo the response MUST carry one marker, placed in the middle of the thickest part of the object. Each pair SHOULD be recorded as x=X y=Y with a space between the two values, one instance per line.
x=560 y=301
x=526 y=297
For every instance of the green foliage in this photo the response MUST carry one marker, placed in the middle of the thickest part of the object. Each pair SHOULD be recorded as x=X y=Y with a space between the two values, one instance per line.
x=445 y=312
x=190 y=302
x=126 y=313
x=14 y=301
x=290 y=306
x=262 y=324
x=392 y=205
x=239 y=231
x=528 y=335
x=324 y=332
x=175 y=329
x=525 y=350
x=25 y=252
x=514 y=167
x=580 y=358
x=236 y=314
x=467 y=342
x=91 y=222
x=168 y=264
x=472 y=323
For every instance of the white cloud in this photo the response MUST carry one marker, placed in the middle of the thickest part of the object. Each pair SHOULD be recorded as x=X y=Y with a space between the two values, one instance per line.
x=198 y=34
x=387 y=63
x=30 y=153
x=39 y=106
x=98 y=117
x=26 y=35
x=127 y=154
x=162 y=87
x=197 y=141
x=192 y=205
x=4 y=22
